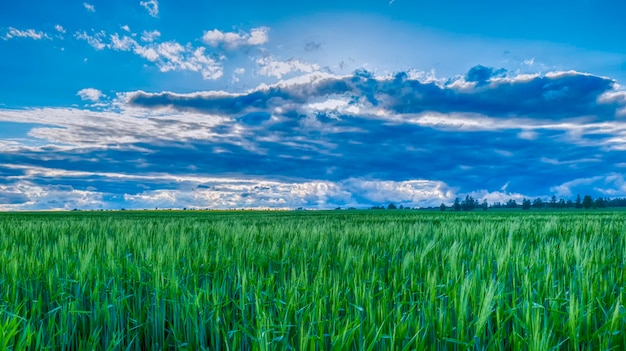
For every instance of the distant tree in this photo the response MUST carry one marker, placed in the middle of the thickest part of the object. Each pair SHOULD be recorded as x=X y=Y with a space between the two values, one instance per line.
x=401 y=207
x=391 y=206
x=578 y=203
x=587 y=202
x=569 y=204
x=600 y=203
x=538 y=203
x=616 y=202
x=457 y=204
x=526 y=204
x=485 y=205
x=553 y=202
x=442 y=207
x=468 y=204
x=511 y=203
x=561 y=203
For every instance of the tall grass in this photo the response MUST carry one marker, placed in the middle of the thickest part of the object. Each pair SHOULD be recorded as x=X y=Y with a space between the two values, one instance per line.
x=364 y=280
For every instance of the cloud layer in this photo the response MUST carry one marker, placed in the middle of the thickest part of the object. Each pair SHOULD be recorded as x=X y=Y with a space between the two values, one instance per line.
x=322 y=141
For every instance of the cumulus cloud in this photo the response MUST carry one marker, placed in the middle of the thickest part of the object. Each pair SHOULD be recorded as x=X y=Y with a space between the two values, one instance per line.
x=28 y=33
x=59 y=28
x=90 y=94
x=233 y=40
x=152 y=6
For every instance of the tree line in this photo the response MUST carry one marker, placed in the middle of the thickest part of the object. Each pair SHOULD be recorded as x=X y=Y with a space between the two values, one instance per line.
x=586 y=202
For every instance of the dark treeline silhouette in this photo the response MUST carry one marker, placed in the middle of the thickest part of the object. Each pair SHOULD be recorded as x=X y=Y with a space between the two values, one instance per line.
x=471 y=204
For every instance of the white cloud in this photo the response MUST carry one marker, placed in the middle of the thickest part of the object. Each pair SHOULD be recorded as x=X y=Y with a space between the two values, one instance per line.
x=258 y=36
x=411 y=192
x=573 y=163
x=123 y=44
x=148 y=53
x=89 y=7
x=90 y=94
x=167 y=56
x=233 y=40
x=126 y=28
x=527 y=135
x=193 y=191
x=565 y=189
x=96 y=40
x=59 y=28
x=268 y=66
x=104 y=128
x=51 y=197
x=172 y=56
x=497 y=196
x=615 y=96
x=152 y=6
x=28 y=33
x=150 y=36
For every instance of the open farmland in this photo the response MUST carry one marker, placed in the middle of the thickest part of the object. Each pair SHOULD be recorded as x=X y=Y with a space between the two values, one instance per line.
x=338 y=280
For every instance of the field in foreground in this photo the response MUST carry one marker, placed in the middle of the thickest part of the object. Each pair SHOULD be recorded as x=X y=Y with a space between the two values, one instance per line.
x=373 y=280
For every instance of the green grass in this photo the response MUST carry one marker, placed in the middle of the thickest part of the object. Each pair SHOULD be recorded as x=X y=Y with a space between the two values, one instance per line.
x=361 y=280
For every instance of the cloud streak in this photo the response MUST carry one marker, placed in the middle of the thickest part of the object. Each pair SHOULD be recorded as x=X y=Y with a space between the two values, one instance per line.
x=89 y=7
x=13 y=33
x=234 y=40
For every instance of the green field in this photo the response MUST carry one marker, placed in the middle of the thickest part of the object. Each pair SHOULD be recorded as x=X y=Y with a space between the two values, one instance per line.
x=360 y=280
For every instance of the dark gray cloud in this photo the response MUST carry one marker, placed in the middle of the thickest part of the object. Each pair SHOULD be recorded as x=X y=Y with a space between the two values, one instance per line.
x=12 y=198
x=484 y=91
x=209 y=103
x=310 y=46
x=482 y=75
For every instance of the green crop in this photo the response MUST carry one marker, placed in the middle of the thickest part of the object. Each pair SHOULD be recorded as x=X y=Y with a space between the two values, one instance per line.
x=340 y=280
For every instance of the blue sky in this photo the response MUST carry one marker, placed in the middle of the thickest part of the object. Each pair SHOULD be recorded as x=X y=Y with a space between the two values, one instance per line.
x=172 y=104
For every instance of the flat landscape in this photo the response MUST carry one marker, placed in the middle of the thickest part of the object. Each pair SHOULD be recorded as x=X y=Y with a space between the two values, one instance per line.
x=308 y=280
